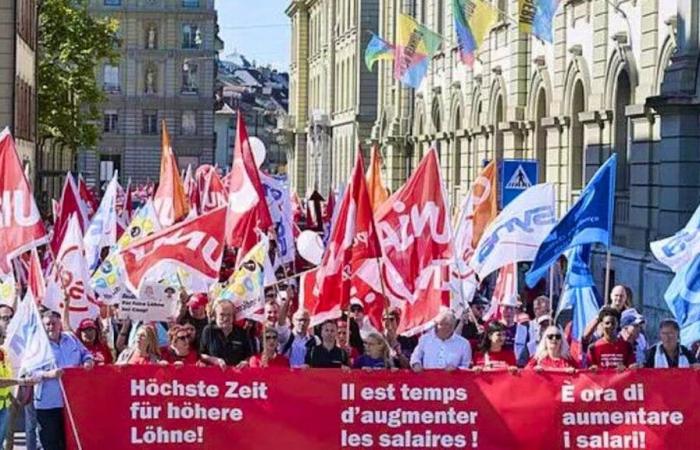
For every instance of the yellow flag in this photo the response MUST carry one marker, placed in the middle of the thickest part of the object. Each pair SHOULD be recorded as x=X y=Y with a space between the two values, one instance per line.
x=377 y=192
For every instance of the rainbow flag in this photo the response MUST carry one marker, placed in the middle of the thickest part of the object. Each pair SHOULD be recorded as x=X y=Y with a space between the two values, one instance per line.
x=377 y=49
x=473 y=20
x=415 y=45
x=536 y=16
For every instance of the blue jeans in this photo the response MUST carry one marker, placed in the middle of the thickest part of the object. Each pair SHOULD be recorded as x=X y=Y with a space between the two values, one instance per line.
x=4 y=413
x=30 y=426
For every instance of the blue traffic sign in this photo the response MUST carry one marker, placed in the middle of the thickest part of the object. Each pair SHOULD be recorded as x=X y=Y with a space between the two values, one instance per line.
x=516 y=175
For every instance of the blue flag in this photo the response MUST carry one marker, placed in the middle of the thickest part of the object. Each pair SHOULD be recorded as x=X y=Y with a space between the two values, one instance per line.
x=579 y=291
x=590 y=220
x=683 y=299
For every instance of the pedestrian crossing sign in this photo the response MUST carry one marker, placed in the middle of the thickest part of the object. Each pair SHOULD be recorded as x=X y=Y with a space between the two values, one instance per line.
x=516 y=176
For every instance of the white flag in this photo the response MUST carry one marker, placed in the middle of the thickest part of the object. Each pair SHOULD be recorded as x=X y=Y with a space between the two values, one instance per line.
x=70 y=277
x=279 y=202
x=27 y=342
x=516 y=234
x=102 y=231
x=678 y=250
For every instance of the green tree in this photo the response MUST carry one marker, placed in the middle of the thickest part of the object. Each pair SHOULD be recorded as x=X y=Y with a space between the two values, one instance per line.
x=72 y=44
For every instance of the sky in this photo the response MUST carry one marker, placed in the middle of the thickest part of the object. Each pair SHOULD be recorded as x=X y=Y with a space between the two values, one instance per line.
x=258 y=29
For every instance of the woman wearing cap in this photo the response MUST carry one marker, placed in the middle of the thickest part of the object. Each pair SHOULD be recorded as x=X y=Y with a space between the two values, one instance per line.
x=552 y=352
x=145 y=349
x=180 y=350
x=194 y=311
x=377 y=355
x=493 y=353
x=269 y=357
x=91 y=337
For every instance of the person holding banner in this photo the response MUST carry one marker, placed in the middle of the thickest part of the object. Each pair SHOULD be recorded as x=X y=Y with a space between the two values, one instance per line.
x=552 y=352
x=224 y=343
x=180 y=350
x=91 y=338
x=610 y=352
x=493 y=354
x=68 y=351
x=327 y=354
x=269 y=357
x=144 y=351
x=669 y=353
x=300 y=341
x=377 y=354
x=442 y=348
x=400 y=347
x=194 y=312
x=343 y=341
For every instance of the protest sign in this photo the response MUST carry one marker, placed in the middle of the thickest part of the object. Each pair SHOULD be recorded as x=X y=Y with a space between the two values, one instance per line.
x=156 y=302
x=149 y=406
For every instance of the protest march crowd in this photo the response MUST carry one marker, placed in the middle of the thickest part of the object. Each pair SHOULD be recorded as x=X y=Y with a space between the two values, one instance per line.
x=235 y=272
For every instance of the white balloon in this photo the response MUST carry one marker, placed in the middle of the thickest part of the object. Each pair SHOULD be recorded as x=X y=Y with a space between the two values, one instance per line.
x=259 y=151
x=310 y=246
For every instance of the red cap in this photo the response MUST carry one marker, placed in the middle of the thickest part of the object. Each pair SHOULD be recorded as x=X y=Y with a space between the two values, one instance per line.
x=87 y=323
x=198 y=300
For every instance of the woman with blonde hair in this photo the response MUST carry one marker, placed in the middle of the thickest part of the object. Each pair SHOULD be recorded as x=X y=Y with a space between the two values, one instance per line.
x=552 y=352
x=377 y=354
x=144 y=351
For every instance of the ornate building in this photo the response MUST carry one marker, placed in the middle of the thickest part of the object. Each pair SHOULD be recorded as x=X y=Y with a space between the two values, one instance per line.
x=621 y=76
x=333 y=97
x=166 y=72
x=18 y=26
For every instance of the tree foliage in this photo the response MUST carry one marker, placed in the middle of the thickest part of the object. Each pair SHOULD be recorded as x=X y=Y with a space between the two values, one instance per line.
x=72 y=44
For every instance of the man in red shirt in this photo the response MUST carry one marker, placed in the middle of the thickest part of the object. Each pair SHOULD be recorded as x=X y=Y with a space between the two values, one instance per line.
x=610 y=352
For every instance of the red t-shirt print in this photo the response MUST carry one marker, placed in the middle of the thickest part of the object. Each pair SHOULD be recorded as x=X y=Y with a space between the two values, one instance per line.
x=609 y=355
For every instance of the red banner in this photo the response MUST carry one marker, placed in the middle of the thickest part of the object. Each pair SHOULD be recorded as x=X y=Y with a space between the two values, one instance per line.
x=178 y=408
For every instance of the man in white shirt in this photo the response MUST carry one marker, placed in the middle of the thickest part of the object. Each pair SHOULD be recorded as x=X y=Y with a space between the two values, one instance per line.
x=442 y=348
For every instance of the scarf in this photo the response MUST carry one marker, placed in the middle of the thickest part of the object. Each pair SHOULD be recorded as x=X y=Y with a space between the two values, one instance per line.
x=661 y=361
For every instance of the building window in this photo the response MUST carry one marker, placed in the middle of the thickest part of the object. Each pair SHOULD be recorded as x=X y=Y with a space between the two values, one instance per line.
x=111 y=121
x=151 y=36
x=113 y=2
x=189 y=78
x=189 y=123
x=190 y=3
x=150 y=122
x=111 y=78
x=191 y=37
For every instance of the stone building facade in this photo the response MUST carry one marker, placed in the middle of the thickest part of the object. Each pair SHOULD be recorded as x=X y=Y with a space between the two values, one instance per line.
x=166 y=72
x=333 y=97
x=621 y=76
x=18 y=37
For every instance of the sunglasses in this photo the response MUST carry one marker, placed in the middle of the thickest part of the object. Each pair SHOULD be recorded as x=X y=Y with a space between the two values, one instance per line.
x=356 y=309
x=5 y=318
x=554 y=337
x=270 y=337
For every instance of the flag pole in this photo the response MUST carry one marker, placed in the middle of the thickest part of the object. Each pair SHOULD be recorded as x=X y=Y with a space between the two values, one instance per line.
x=607 y=275
x=70 y=415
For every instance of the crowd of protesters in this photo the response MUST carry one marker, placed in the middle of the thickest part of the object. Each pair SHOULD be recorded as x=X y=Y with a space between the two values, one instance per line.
x=205 y=333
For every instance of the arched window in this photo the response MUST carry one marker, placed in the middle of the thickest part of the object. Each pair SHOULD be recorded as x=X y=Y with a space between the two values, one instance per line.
x=577 y=106
x=541 y=135
x=622 y=99
x=499 y=117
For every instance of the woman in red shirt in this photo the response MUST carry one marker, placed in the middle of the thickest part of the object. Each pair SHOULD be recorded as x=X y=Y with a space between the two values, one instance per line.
x=552 y=353
x=180 y=351
x=91 y=337
x=269 y=357
x=492 y=354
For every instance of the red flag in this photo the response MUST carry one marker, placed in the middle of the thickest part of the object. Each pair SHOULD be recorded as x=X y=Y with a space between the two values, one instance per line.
x=35 y=281
x=418 y=316
x=330 y=207
x=307 y=297
x=505 y=292
x=196 y=246
x=70 y=204
x=246 y=201
x=353 y=240
x=170 y=200
x=191 y=189
x=87 y=197
x=414 y=231
x=214 y=194
x=296 y=208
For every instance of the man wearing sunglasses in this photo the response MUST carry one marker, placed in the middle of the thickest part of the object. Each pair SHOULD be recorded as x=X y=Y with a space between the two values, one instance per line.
x=610 y=352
